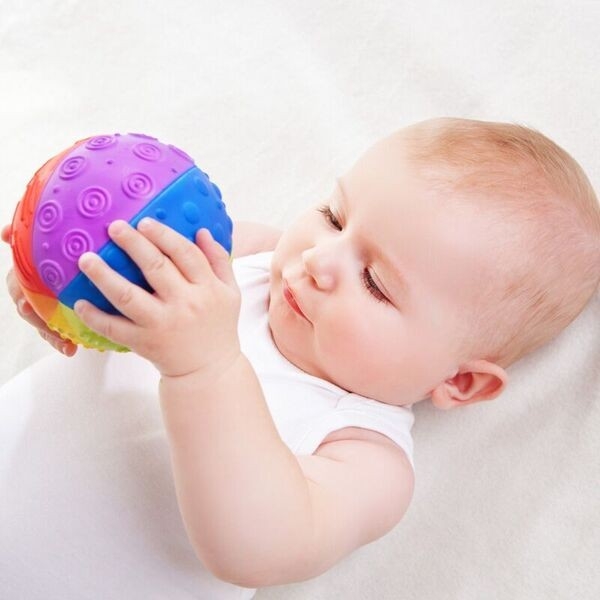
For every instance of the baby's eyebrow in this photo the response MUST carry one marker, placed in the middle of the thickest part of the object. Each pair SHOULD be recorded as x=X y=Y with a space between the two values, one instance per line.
x=401 y=286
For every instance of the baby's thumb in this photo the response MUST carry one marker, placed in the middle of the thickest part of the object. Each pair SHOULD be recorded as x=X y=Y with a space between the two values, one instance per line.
x=217 y=256
x=6 y=233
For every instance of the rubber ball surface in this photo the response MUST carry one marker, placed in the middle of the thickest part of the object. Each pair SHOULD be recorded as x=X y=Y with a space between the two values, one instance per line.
x=71 y=200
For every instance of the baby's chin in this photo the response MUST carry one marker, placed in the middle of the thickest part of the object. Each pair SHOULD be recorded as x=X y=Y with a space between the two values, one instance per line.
x=289 y=348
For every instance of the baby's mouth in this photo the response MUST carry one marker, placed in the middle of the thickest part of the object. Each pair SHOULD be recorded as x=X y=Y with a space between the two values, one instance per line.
x=288 y=295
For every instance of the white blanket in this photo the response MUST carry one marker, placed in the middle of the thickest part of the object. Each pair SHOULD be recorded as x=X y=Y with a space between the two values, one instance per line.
x=274 y=99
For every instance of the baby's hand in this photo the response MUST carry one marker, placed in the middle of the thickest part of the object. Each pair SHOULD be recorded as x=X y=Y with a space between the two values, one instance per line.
x=189 y=324
x=26 y=311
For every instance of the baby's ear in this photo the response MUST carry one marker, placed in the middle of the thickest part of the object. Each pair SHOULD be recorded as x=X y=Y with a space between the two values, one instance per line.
x=475 y=381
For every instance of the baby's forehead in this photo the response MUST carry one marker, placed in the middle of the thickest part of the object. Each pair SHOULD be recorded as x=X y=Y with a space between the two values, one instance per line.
x=455 y=246
x=394 y=189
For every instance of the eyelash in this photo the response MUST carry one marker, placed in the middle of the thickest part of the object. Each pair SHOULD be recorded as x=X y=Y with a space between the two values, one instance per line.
x=367 y=280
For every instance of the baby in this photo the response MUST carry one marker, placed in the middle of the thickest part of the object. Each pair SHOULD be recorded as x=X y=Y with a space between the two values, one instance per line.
x=451 y=249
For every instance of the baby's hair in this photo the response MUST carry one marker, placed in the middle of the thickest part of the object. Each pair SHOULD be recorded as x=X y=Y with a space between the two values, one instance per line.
x=548 y=241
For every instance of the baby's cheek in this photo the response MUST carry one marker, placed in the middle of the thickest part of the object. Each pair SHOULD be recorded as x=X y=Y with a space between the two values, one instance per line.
x=351 y=344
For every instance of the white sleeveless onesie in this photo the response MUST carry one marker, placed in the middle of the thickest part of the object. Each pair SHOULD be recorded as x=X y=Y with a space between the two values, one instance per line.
x=305 y=408
x=87 y=504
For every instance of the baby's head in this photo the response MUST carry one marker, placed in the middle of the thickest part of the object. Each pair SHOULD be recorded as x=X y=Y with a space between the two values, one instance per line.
x=451 y=249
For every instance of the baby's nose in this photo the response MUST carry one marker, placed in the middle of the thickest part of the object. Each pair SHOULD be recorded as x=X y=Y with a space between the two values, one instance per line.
x=320 y=266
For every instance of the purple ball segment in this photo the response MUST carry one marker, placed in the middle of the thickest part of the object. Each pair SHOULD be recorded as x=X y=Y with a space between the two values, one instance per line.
x=108 y=177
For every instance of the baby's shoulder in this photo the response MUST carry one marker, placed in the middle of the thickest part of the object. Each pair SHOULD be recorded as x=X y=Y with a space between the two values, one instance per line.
x=357 y=433
x=357 y=437
x=364 y=483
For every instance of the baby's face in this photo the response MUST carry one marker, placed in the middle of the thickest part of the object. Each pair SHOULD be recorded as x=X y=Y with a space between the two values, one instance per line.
x=382 y=272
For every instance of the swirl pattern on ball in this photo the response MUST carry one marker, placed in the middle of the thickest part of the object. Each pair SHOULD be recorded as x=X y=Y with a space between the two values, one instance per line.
x=49 y=215
x=93 y=201
x=75 y=243
x=52 y=274
x=138 y=185
x=100 y=142
x=109 y=162
x=72 y=167
x=147 y=151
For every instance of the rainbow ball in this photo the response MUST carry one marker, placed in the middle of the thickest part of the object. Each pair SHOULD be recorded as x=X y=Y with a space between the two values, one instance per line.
x=69 y=204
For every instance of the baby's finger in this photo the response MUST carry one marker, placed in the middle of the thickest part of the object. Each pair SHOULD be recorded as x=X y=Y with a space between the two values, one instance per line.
x=186 y=256
x=6 y=230
x=14 y=289
x=160 y=272
x=130 y=299
x=114 y=327
x=64 y=346
x=217 y=256
x=26 y=311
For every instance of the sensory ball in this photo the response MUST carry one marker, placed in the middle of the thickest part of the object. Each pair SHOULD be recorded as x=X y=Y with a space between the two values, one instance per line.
x=71 y=200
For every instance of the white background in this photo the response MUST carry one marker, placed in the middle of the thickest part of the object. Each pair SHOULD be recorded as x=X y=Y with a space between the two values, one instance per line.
x=274 y=99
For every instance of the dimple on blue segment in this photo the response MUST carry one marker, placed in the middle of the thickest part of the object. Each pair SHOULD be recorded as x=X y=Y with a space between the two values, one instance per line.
x=190 y=203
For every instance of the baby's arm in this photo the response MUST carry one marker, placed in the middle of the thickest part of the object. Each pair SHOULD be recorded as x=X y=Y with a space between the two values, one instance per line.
x=256 y=514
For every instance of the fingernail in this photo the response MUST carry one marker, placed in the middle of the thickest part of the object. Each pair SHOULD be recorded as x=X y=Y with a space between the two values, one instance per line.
x=23 y=306
x=116 y=227
x=145 y=223
x=85 y=260
x=206 y=233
